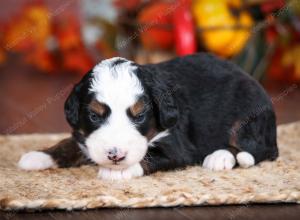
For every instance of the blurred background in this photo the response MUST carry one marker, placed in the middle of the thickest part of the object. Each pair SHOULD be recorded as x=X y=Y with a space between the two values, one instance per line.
x=47 y=45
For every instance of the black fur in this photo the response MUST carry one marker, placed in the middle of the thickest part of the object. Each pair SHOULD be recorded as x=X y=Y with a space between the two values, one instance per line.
x=208 y=96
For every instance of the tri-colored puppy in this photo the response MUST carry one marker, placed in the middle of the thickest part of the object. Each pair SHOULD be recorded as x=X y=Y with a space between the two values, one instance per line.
x=135 y=119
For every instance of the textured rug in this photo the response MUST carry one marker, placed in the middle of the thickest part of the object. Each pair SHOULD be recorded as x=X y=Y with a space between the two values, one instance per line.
x=78 y=188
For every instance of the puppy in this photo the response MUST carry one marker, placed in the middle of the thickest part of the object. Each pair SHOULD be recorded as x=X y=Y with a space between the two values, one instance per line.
x=134 y=120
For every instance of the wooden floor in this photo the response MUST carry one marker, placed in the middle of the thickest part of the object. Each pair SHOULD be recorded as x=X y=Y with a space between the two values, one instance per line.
x=254 y=212
x=33 y=102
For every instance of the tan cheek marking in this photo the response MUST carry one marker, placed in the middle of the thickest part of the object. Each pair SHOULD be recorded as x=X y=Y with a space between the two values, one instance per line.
x=97 y=107
x=152 y=131
x=137 y=108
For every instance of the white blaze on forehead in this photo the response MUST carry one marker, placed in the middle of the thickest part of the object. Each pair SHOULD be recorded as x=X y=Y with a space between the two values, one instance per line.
x=116 y=85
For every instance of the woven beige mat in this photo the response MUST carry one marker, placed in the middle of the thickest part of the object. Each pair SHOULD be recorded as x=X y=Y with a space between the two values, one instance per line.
x=78 y=188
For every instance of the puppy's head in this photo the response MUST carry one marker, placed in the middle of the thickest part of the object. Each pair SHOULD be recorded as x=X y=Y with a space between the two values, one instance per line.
x=117 y=112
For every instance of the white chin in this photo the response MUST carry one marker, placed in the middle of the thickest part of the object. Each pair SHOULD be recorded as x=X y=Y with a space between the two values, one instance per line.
x=114 y=166
x=111 y=174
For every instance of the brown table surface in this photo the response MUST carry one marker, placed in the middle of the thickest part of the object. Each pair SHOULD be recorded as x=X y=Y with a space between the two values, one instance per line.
x=33 y=102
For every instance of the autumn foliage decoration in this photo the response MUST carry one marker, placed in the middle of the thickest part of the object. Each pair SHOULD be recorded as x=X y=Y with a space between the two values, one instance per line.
x=47 y=43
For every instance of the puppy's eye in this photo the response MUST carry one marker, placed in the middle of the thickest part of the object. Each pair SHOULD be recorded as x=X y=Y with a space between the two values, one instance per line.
x=140 y=118
x=94 y=117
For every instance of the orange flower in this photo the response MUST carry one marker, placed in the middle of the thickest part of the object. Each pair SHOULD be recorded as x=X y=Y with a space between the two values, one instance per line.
x=28 y=30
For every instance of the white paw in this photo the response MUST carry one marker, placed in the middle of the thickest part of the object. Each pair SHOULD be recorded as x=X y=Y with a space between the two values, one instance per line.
x=36 y=160
x=128 y=173
x=219 y=160
x=245 y=159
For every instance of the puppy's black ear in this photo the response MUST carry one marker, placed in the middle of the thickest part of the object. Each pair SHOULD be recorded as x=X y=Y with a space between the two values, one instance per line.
x=162 y=92
x=72 y=104
x=168 y=109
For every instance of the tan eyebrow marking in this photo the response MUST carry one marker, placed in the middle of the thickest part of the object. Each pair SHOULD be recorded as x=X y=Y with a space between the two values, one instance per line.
x=137 y=108
x=97 y=107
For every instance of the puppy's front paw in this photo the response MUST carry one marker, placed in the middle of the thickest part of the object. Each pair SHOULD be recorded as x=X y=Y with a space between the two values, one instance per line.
x=245 y=159
x=128 y=173
x=36 y=160
x=219 y=160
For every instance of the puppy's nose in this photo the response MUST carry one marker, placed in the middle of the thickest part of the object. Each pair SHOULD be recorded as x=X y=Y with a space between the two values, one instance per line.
x=116 y=155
